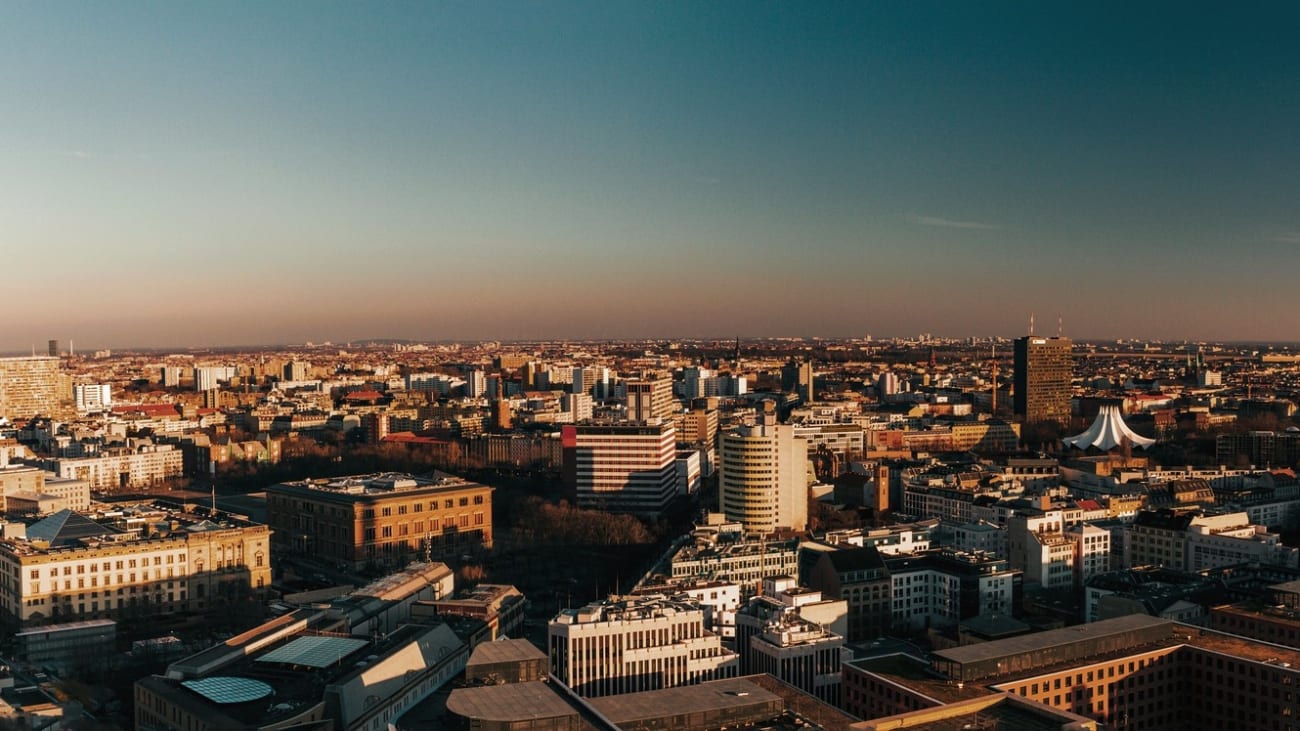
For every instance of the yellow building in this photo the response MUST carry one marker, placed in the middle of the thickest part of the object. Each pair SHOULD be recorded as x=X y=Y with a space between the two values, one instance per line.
x=135 y=562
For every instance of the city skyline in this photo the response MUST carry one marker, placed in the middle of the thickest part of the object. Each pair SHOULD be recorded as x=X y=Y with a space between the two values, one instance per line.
x=242 y=174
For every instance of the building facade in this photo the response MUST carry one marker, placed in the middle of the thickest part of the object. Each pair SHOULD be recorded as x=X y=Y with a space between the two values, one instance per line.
x=384 y=519
x=625 y=468
x=635 y=644
x=763 y=483
x=1044 y=368
x=28 y=387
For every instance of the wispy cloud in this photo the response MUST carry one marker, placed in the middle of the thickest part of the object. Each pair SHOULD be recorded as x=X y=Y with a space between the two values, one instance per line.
x=79 y=154
x=950 y=223
x=1288 y=237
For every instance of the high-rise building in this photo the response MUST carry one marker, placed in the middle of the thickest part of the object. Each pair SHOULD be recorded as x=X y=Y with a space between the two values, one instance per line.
x=763 y=482
x=53 y=348
x=296 y=370
x=1043 y=371
x=475 y=383
x=28 y=386
x=650 y=397
x=797 y=378
x=628 y=468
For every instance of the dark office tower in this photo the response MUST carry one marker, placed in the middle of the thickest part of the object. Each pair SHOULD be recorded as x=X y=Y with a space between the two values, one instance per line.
x=54 y=348
x=1044 y=368
x=797 y=378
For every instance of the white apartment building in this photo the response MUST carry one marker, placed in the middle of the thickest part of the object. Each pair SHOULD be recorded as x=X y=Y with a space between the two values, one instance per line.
x=941 y=588
x=981 y=536
x=146 y=464
x=1091 y=551
x=207 y=378
x=92 y=397
x=1231 y=538
x=719 y=599
x=891 y=539
x=628 y=468
x=746 y=563
x=634 y=644
x=763 y=480
x=802 y=653
x=789 y=630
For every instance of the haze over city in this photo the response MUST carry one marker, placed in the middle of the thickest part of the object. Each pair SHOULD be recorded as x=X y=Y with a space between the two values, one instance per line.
x=243 y=173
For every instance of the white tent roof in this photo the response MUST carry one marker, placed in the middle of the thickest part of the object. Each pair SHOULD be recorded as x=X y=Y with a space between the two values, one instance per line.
x=1107 y=432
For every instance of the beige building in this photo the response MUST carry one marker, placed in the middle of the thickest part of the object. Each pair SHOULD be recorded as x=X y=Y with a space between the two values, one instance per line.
x=763 y=483
x=29 y=386
x=141 y=561
x=140 y=466
x=382 y=518
x=636 y=644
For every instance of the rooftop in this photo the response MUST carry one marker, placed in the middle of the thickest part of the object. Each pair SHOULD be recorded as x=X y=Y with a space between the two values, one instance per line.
x=487 y=653
x=377 y=484
x=516 y=702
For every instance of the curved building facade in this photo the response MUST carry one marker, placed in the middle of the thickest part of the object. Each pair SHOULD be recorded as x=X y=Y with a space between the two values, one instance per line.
x=762 y=477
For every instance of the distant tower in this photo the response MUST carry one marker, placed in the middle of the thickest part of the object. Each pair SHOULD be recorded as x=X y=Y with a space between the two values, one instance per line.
x=994 y=396
x=54 y=348
x=1044 y=368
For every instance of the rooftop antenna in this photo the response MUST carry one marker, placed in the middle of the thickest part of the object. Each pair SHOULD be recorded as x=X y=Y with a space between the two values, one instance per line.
x=1031 y=323
x=1058 y=324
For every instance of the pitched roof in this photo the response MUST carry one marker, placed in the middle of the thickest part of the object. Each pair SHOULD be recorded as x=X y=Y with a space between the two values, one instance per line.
x=66 y=528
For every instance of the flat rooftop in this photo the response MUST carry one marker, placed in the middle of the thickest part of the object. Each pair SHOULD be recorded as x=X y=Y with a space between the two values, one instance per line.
x=717 y=695
x=513 y=702
x=1043 y=641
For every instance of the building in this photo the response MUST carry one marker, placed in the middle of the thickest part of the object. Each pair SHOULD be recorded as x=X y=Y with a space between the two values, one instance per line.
x=635 y=644
x=92 y=397
x=505 y=661
x=763 y=476
x=1044 y=369
x=28 y=387
x=384 y=519
x=68 y=648
x=858 y=576
x=624 y=468
x=753 y=702
x=130 y=563
x=797 y=378
x=940 y=588
x=650 y=397
x=744 y=562
x=500 y=606
x=794 y=634
x=1128 y=672
x=143 y=464
x=302 y=670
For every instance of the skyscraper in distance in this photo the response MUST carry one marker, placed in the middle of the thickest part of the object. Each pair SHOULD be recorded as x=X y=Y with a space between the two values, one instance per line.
x=1044 y=368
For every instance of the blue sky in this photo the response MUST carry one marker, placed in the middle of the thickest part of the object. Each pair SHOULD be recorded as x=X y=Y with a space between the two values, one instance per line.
x=220 y=173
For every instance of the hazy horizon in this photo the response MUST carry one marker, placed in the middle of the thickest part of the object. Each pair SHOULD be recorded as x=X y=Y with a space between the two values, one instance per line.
x=231 y=173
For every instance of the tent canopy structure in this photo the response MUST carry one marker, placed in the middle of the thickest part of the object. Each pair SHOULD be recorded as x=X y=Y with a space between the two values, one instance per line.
x=1107 y=432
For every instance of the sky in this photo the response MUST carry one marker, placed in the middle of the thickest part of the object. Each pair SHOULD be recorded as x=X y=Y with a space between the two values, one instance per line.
x=220 y=173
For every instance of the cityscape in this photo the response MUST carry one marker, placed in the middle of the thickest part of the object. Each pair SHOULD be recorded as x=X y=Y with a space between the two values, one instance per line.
x=628 y=366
